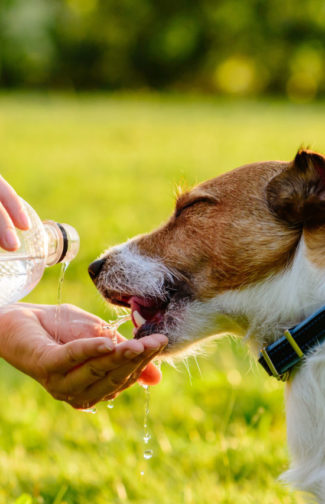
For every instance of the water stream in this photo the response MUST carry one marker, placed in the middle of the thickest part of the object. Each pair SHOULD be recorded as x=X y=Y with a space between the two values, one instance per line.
x=147 y=452
x=113 y=325
x=64 y=267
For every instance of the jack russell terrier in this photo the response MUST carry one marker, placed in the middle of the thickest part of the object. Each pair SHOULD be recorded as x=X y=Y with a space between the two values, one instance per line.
x=242 y=254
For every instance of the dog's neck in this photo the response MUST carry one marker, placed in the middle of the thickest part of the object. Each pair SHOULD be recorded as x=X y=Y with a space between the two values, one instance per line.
x=262 y=311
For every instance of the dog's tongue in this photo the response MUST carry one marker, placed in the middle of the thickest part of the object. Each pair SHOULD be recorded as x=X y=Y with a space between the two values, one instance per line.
x=144 y=310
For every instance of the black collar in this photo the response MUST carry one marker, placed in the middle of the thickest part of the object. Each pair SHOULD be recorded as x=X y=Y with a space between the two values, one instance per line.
x=280 y=357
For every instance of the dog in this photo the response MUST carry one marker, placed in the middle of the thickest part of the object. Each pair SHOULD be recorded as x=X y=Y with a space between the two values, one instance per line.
x=242 y=254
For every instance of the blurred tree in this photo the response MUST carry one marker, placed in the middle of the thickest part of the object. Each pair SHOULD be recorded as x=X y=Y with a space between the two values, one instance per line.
x=227 y=46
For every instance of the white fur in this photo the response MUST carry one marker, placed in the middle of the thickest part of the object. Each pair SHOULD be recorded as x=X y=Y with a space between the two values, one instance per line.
x=263 y=311
x=271 y=306
x=259 y=312
x=305 y=409
x=279 y=302
x=129 y=271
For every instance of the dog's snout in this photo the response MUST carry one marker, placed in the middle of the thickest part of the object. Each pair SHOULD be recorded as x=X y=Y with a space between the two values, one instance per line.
x=95 y=268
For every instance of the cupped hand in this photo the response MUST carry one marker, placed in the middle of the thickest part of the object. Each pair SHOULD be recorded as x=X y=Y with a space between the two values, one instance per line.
x=12 y=213
x=73 y=355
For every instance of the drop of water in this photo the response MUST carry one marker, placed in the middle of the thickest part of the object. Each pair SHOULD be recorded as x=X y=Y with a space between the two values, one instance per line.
x=146 y=437
x=93 y=411
x=142 y=473
x=110 y=404
x=147 y=454
x=115 y=324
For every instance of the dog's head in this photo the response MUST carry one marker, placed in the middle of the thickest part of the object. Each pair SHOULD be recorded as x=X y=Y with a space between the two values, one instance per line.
x=206 y=270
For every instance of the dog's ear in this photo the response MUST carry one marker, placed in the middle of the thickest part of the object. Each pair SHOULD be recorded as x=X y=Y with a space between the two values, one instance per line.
x=297 y=195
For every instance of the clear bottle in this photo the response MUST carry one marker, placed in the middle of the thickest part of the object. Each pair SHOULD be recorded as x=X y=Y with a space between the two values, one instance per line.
x=43 y=244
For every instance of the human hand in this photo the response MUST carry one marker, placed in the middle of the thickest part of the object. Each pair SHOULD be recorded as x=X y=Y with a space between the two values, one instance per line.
x=12 y=213
x=72 y=354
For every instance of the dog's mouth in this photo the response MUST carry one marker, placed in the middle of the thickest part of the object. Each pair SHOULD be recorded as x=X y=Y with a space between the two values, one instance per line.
x=148 y=314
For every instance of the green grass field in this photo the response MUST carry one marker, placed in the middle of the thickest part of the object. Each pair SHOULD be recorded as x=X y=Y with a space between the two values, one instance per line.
x=110 y=166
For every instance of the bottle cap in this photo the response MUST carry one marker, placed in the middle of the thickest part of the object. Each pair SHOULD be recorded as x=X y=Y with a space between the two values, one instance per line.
x=63 y=242
x=71 y=242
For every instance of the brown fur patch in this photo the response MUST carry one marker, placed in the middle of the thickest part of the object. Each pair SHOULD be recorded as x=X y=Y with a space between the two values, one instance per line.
x=224 y=235
x=315 y=245
x=297 y=195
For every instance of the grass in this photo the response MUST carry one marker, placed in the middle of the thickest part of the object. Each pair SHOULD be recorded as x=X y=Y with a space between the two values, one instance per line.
x=109 y=166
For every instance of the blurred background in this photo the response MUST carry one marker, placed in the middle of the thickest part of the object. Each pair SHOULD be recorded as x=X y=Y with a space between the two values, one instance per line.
x=105 y=108
x=235 y=47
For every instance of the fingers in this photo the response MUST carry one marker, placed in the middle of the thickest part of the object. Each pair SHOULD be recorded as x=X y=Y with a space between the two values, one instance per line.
x=12 y=214
x=8 y=236
x=63 y=358
x=150 y=375
x=122 y=361
x=73 y=323
x=13 y=205
x=135 y=375
x=116 y=381
x=107 y=375
x=124 y=377
x=95 y=369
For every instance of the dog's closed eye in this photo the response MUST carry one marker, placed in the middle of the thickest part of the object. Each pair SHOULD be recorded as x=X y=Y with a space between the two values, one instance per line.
x=182 y=203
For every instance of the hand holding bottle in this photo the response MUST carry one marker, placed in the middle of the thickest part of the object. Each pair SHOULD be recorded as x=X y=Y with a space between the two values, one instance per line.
x=12 y=213
x=74 y=358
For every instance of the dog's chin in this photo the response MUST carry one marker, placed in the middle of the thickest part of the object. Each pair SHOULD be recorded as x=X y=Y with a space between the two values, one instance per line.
x=168 y=324
x=176 y=349
x=171 y=349
x=155 y=316
x=149 y=328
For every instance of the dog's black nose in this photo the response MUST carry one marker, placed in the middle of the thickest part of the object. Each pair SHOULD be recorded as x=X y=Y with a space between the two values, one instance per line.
x=95 y=268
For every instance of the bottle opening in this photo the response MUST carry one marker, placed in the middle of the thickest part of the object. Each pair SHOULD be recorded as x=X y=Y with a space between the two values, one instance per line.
x=63 y=242
x=71 y=242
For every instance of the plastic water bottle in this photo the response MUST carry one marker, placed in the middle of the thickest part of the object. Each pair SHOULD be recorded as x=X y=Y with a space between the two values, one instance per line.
x=43 y=244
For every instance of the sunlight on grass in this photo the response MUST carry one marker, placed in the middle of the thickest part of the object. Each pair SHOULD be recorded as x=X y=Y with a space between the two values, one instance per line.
x=109 y=166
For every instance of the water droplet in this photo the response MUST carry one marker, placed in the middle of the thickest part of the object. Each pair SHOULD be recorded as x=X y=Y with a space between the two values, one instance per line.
x=115 y=324
x=142 y=473
x=147 y=454
x=89 y=410
x=146 y=437
x=110 y=404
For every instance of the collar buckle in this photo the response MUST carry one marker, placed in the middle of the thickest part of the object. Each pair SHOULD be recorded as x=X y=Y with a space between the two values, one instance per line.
x=274 y=372
x=288 y=351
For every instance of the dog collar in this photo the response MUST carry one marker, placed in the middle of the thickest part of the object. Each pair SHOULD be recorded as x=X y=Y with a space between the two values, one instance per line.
x=280 y=357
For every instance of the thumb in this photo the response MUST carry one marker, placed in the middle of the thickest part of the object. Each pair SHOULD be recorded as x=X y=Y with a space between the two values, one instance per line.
x=150 y=375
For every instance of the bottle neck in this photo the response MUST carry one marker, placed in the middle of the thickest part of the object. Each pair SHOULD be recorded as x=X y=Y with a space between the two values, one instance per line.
x=62 y=242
